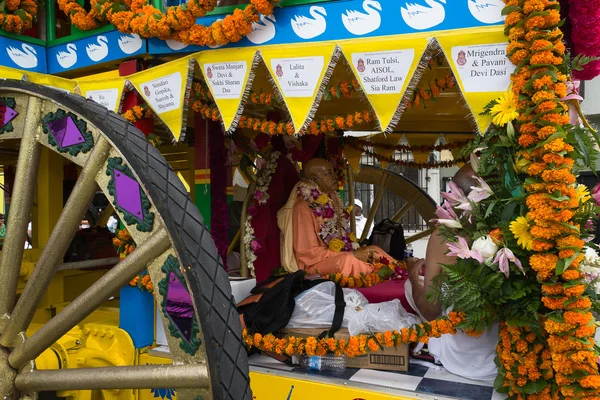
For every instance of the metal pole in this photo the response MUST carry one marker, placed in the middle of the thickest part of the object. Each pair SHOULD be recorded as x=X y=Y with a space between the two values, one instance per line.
x=91 y=299
x=57 y=245
x=102 y=262
x=375 y=205
x=19 y=215
x=351 y=199
x=191 y=376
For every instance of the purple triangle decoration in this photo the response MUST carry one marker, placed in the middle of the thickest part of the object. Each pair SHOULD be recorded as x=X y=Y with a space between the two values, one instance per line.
x=9 y=115
x=65 y=132
x=128 y=194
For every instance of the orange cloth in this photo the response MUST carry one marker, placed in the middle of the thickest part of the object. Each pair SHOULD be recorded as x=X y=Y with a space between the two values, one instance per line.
x=313 y=255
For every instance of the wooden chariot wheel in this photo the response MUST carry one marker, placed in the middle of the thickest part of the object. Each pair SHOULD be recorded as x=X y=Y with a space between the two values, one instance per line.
x=209 y=360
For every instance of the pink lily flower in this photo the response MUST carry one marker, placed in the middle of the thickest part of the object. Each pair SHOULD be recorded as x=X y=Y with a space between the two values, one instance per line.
x=462 y=250
x=573 y=94
x=481 y=192
x=457 y=198
x=447 y=216
x=503 y=256
x=596 y=194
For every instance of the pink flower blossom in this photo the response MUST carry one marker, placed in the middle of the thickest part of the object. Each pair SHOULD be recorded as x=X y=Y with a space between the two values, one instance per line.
x=503 y=256
x=255 y=246
x=447 y=216
x=259 y=194
x=252 y=211
x=481 y=192
x=573 y=91
x=596 y=194
x=456 y=197
x=328 y=212
x=462 y=250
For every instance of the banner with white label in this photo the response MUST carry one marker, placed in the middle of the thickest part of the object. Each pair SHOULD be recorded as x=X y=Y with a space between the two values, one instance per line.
x=226 y=74
x=164 y=89
x=481 y=68
x=107 y=93
x=299 y=76
x=384 y=68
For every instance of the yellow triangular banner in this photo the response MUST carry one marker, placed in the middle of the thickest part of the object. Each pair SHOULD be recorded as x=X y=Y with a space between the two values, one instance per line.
x=164 y=89
x=299 y=73
x=227 y=73
x=416 y=140
x=105 y=92
x=353 y=156
x=386 y=146
x=10 y=73
x=384 y=68
x=481 y=68
x=62 y=84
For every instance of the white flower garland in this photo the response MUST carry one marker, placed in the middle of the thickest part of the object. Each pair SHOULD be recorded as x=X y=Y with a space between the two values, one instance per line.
x=261 y=197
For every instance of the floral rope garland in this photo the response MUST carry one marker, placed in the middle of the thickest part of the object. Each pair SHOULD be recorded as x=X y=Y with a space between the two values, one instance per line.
x=125 y=245
x=260 y=198
x=402 y=148
x=356 y=345
x=411 y=164
x=565 y=352
x=18 y=15
x=137 y=113
x=368 y=280
x=177 y=23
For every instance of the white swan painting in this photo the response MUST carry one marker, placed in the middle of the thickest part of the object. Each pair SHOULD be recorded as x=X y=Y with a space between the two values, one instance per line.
x=98 y=52
x=309 y=28
x=26 y=58
x=486 y=11
x=175 y=45
x=129 y=44
x=420 y=17
x=263 y=30
x=68 y=58
x=359 y=23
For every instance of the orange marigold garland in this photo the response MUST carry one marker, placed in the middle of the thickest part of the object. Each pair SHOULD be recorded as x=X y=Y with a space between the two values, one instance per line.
x=137 y=113
x=355 y=345
x=177 y=22
x=564 y=352
x=18 y=15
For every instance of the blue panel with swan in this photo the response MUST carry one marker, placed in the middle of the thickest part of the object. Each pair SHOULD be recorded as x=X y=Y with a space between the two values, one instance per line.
x=109 y=46
x=339 y=20
x=22 y=55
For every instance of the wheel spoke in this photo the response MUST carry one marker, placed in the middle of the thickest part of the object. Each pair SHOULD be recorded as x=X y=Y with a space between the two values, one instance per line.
x=91 y=299
x=351 y=199
x=398 y=216
x=420 y=235
x=191 y=376
x=57 y=245
x=375 y=205
x=19 y=214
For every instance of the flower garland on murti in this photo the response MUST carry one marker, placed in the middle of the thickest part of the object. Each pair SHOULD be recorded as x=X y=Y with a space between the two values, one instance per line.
x=18 y=15
x=355 y=346
x=551 y=227
x=332 y=218
x=368 y=280
x=260 y=198
x=176 y=23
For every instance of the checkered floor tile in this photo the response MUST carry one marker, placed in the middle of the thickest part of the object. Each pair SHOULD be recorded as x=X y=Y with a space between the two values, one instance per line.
x=425 y=381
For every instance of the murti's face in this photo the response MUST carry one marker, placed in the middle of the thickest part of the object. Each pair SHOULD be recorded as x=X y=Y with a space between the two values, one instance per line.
x=327 y=179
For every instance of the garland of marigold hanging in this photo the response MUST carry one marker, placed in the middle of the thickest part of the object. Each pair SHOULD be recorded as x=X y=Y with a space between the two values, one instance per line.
x=402 y=148
x=564 y=351
x=18 y=15
x=406 y=163
x=176 y=23
x=137 y=113
x=355 y=346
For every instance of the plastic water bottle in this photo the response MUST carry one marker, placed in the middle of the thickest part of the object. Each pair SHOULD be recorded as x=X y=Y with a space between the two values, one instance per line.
x=324 y=363
x=408 y=252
